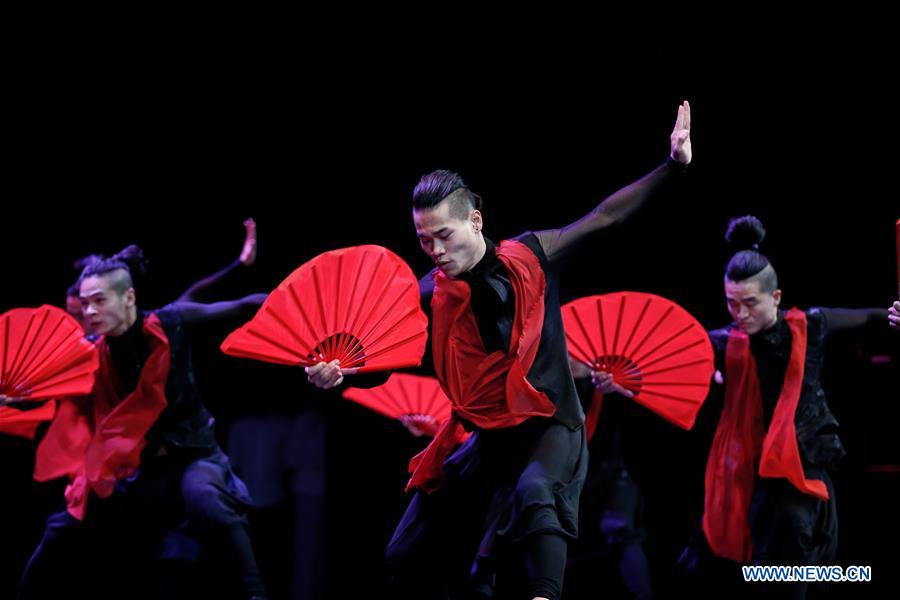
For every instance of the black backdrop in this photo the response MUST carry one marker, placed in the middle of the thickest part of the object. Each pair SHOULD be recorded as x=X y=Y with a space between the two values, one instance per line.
x=171 y=148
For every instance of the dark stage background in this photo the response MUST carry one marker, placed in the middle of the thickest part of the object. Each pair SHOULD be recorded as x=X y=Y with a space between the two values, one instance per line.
x=172 y=151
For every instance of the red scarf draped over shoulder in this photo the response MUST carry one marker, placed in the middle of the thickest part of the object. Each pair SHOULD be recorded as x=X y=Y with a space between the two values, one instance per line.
x=97 y=439
x=490 y=391
x=741 y=448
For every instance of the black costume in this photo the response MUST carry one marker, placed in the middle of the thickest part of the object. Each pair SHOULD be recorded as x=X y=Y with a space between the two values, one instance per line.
x=501 y=521
x=184 y=488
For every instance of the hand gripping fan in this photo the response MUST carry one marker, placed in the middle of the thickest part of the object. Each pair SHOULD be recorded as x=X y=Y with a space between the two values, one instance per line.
x=43 y=354
x=652 y=347
x=407 y=396
x=358 y=305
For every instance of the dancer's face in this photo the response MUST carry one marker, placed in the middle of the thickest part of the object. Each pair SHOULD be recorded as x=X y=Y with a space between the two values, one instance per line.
x=107 y=311
x=73 y=307
x=454 y=244
x=752 y=309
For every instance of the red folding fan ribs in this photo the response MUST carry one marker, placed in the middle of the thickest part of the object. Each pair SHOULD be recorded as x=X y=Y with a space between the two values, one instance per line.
x=419 y=400
x=653 y=347
x=43 y=355
x=357 y=305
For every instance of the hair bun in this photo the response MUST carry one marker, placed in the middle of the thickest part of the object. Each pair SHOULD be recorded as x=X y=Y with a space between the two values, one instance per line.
x=745 y=233
x=132 y=256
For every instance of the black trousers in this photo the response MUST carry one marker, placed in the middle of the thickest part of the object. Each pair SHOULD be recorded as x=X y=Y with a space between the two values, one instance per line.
x=197 y=500
x=500 y=524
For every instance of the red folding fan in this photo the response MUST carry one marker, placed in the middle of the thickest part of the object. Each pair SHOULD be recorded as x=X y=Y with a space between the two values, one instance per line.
x=358 y=305
x=652 y=347
x=43 y=354
x=420 y=399
x=24 y=423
